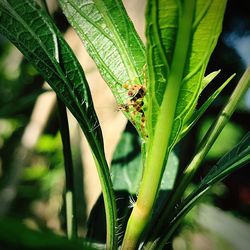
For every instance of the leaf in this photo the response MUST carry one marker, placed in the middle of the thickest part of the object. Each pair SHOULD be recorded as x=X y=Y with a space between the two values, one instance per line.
x=40 y=42
x=32 y=31
x=209 y=78
x=177 y=51
x=111 y=40
x=126 y=167
x=181 y=36
x=207 y=25
x=198 y=113
x=236 y=158
x=170 y=173
x=239 y=156
x=15 y=235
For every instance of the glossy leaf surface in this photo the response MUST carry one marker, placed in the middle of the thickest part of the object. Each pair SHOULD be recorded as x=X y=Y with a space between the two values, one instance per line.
x=34 y=33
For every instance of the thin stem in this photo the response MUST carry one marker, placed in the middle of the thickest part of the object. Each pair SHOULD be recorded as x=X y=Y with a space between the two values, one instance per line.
x=109 y=202
x=71 y=222
x=205 y=145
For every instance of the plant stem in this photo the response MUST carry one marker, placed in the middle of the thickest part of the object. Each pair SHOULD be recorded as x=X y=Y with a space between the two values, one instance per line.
x=69 y=171
x=71 y=222
x=205 y=145
x=158 y=144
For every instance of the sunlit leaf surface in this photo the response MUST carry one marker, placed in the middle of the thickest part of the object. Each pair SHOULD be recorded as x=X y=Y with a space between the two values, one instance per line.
x=111 y=40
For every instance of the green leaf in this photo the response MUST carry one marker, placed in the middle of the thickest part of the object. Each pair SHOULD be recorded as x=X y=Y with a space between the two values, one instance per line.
x=239 y=156
x=15 y=235
x=181 y=36
x=198 y=113
x=170 y=172
x=209 y=78
x=163 y=30
x=233 y=160
x=33 y=32
x=207 y=25
x=40 y=42
x=126 y=167
x=111 y=40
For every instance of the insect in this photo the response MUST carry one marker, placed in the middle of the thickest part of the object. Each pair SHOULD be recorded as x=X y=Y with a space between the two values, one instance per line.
x=134 y=104
x=135 y=90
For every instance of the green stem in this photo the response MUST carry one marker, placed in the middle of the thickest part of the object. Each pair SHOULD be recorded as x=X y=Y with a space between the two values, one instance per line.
x=109 y=201
x=70 y=201
x=71 y=222
x=158 y=144
x=205 y=145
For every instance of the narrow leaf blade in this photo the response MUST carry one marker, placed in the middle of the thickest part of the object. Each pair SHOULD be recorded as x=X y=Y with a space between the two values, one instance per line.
x=198 y=113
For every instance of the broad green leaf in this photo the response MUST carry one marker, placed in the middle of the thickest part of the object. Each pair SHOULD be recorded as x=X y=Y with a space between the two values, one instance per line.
x=239 y=156
x=32 y=31
x=127 y=167
x=111 y=40
x=207 y=25
x=164 y=28
x=15 y=235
